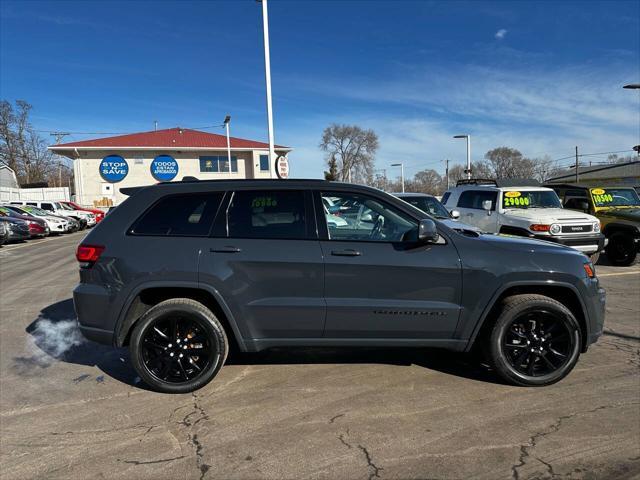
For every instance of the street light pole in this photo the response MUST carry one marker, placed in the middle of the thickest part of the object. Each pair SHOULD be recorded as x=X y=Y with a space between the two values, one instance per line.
x=267 y=76
x=468 y=137
x=401 y=165
x=227 y=121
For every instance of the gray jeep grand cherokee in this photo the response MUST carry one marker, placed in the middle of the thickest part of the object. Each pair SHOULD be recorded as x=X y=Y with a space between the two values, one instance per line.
x=179 y=270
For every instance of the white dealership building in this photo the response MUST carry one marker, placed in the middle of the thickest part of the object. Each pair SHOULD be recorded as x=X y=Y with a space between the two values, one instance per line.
x=102 y=166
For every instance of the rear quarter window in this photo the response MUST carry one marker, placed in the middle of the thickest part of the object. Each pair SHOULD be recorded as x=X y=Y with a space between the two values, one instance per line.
x=189 y=215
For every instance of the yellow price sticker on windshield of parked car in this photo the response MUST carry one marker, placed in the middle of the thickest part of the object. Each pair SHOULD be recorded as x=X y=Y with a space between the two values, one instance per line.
x=514 y=199
x=601 y=197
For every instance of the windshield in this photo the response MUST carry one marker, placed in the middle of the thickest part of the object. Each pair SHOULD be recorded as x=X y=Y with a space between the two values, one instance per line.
x=530 y=199
x=428 y=205
x=63 y=206
x=615 y=197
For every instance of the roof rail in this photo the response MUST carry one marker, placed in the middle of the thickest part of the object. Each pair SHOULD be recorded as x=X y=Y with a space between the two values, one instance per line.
x=476 y=181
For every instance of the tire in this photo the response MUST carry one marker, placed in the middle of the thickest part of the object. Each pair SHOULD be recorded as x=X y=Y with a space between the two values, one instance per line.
x=621 y=250
x=594 y=257
x=512 y=357
x=157 y=346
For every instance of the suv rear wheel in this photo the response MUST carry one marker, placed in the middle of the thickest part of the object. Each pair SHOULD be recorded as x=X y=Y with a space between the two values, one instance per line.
x=621 y=249
x=535 y=341
x=178 y=346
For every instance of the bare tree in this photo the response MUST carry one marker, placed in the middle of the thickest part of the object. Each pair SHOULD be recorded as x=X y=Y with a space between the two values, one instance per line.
x=25 y=151
x=510 y=163
x=353 y=149
x=479 y=169
x=427 y=181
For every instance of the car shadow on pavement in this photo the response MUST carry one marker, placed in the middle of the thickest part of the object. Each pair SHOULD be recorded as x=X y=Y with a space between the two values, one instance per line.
x=451 y=363
x=55 y=337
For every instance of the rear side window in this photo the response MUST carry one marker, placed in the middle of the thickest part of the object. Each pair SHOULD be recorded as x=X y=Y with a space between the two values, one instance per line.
x=47 y=206
x=267 y=214
x=189 y=215
x=474 y=198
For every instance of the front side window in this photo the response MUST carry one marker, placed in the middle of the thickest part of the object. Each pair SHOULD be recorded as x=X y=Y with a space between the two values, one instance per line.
x=474 y=198
x=264 y=163
x=267 y=214
x=355 y=217
x=189 y=215
x=218 y=164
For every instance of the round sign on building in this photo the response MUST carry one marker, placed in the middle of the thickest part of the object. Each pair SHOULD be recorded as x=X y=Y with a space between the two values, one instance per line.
x=282 y=167
x=113 y=168
x=164 y=168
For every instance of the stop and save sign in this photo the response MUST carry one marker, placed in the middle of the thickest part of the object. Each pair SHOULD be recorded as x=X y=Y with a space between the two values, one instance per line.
x=282 y=167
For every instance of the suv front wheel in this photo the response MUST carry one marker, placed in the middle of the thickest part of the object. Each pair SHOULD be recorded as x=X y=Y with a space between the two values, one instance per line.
x=535 y=341
x=178 y=346
x=621 y=250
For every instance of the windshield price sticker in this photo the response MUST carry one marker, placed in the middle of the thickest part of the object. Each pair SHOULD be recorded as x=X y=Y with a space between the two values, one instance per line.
x=515 y=199
x=261 y=202
x=601 y=196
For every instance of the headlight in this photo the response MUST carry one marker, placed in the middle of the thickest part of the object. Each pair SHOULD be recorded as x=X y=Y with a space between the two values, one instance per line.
x=596 y=227
x=555 y=229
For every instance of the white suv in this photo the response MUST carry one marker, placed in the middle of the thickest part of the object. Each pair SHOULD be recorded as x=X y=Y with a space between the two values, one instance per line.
x=87 y=219
x=528 y=211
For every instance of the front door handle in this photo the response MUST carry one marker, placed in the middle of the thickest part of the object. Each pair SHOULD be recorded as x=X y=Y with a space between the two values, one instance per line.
x=346 y=253
x=226 y=249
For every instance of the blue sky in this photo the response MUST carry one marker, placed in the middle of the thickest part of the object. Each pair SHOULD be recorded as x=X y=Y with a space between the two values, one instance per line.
x=541 y=77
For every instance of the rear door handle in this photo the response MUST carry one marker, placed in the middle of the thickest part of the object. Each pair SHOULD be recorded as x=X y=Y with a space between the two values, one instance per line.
x=226 y=249
x=346 y=253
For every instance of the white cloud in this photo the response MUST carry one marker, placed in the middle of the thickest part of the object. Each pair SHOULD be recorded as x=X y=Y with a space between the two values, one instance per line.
x=500 y=34
x=539 y=110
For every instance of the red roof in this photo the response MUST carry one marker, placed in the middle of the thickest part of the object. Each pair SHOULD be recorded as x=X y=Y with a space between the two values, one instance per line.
x=170 y=138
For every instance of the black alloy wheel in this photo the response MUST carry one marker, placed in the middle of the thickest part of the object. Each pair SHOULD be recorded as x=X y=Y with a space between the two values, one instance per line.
x=535 y=340
x=178 y=346
x=175 y=348
x=538 y=343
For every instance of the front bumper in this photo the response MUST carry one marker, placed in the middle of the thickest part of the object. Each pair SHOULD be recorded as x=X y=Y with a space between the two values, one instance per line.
x=587 y=244
x=595 y=302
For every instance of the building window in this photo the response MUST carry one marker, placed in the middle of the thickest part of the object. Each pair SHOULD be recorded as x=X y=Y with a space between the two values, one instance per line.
x=264 y=163
x=218 y=164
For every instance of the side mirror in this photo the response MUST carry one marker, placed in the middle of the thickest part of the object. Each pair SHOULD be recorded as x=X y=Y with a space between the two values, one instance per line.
x=427 y=231
x=455 y=214
x=486 y=205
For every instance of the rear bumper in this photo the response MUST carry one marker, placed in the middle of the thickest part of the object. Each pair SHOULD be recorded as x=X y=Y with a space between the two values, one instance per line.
x=91 y=303
x=588 y=244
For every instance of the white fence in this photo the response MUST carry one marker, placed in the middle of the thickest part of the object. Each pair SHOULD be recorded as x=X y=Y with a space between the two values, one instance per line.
x=52 y=193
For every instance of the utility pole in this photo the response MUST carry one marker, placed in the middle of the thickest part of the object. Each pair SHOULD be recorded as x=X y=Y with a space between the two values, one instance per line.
x=576 y=164
x=446 y=172
x=59 y=136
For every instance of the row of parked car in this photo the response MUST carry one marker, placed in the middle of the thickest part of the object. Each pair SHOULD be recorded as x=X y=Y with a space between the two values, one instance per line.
x=24 y=219
x=591 y=220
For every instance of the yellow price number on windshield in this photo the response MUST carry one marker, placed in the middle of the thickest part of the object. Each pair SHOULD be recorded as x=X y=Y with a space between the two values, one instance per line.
x=515 y=199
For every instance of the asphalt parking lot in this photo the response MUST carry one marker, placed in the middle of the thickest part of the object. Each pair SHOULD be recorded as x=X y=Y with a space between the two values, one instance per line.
x=304 y=413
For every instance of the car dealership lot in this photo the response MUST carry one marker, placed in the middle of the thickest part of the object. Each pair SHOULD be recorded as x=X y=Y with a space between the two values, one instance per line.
x=333 y=413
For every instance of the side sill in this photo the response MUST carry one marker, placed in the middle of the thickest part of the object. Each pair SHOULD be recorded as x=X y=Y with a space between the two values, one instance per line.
x=257 y=344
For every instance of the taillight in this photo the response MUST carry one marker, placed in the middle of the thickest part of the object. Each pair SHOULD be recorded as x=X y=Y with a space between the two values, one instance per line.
x=89 y=253
x=540 y=228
